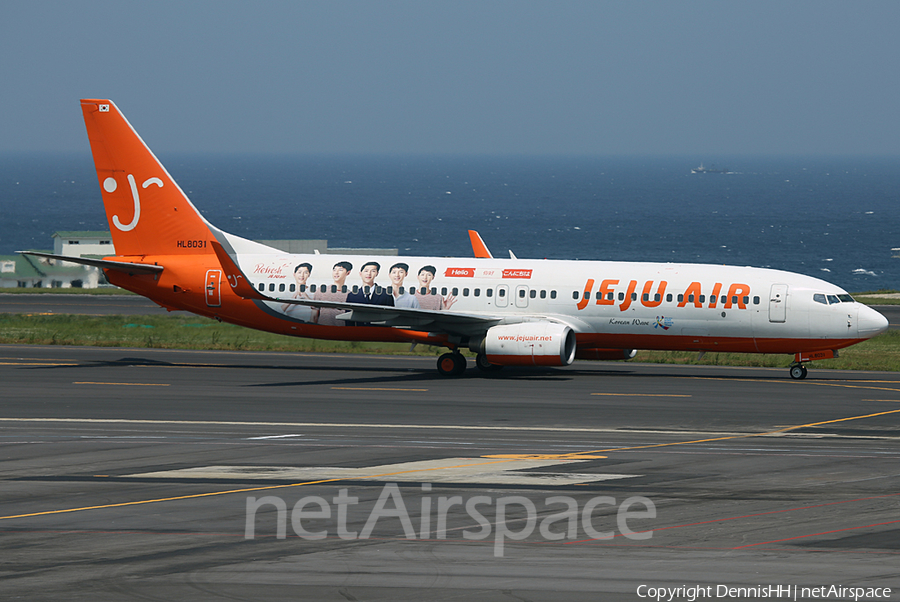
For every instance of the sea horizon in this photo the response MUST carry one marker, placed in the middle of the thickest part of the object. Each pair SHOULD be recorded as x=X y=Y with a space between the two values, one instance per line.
x=830 y=217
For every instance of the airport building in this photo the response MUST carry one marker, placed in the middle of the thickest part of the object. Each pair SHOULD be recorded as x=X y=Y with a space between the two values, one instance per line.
x=22 y=271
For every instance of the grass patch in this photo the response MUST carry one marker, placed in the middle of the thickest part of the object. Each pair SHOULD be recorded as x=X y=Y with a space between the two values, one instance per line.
x=192 y=332
x=173 y=332
x=106 y=290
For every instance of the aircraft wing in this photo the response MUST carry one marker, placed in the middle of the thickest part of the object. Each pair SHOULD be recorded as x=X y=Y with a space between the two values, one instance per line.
x=420 y=319
x=120 y=266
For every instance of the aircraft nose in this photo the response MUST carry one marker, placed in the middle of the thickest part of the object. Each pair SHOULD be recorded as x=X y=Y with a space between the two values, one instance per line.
x=871 y=322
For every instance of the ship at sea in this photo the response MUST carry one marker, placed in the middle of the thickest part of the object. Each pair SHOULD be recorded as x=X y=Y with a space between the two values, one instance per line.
x=710 y=169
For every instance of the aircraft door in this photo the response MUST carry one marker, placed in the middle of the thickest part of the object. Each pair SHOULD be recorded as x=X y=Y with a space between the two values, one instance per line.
x=213 y=288
x=502 y=298
x=521 y=296
x=778 y=303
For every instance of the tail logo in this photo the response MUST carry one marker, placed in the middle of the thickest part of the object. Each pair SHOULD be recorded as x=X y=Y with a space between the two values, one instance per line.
x=110 y=185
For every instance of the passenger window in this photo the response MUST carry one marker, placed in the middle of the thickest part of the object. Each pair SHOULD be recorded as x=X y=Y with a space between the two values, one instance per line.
x=444 y=291
x=680 y=298
x=621 y=296
x=355 y=289
x=657 y=297
x=489 y=292
x=553 y=294
x=272 y=287
x=281 y=287
x=434 y=290
x=702 y=298
x=833 y=299
x=746 y=299
x=690 y=298
x=599 y=295
x=502 y=293
x=755 y=300
x=302 y=288
x=455 y=292
x=734 y=300
x=724 y=299
x=343 y=288
x=669 y=298
x=465 y=292
x=312 y=288
x=575 y=295
x=477 y=292
x=401 y=290
x=646 y=297
x=333 y=288
x=610 y=296
x=532 y=293
x=543 y=294
x=293 y=288
x=521 y=293
x=261 y=287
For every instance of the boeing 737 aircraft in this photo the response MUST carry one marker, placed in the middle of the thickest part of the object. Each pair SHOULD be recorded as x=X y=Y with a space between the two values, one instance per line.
x=508 y=311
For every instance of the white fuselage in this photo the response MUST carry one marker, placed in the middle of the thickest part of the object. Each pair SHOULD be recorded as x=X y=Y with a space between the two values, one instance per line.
x=619 y=304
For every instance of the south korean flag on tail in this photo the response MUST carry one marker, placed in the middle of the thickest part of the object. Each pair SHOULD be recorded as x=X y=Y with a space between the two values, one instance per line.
x=104 y=108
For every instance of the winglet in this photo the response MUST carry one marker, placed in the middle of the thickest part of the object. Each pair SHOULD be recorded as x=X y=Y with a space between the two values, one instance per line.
x=478 y=247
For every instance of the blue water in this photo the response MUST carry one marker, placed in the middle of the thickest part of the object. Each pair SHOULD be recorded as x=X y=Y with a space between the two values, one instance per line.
x=835 y=218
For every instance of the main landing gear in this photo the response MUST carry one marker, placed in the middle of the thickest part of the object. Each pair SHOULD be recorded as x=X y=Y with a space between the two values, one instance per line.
x=454 y=364
x=798 y=371
x=451 y=364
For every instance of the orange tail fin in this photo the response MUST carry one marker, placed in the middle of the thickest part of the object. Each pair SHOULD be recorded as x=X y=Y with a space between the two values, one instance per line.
x=148 y=213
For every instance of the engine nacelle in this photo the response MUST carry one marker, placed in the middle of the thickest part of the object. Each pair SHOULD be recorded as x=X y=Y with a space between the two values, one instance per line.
x=605 y=354
x=529 y=344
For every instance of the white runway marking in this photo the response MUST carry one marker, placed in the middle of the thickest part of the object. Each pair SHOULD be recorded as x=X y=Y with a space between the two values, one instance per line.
x=461 y=427
x=445 y=470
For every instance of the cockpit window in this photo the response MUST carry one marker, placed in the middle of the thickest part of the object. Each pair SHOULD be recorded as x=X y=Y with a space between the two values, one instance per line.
x=833 y=299
x=820 y=298
x=845 y=298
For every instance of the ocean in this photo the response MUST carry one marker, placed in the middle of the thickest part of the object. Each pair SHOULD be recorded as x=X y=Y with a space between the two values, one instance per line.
x=832 y=218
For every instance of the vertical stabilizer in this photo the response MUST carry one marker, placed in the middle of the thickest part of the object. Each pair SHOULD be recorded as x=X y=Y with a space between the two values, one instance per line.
x=148 y=213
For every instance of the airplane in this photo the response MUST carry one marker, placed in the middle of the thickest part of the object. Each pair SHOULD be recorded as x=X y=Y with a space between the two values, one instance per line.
x=507 y=311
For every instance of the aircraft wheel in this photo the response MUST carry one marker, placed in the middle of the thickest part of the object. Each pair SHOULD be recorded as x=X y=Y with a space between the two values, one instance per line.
x=451 y=364
x=798 y=372
x=482 y=363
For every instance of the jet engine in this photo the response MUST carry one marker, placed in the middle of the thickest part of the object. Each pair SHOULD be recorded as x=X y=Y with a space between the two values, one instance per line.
x=528 y=344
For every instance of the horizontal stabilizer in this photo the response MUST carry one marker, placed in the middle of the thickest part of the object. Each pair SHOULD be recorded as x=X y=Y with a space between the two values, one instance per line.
x=119 y=266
